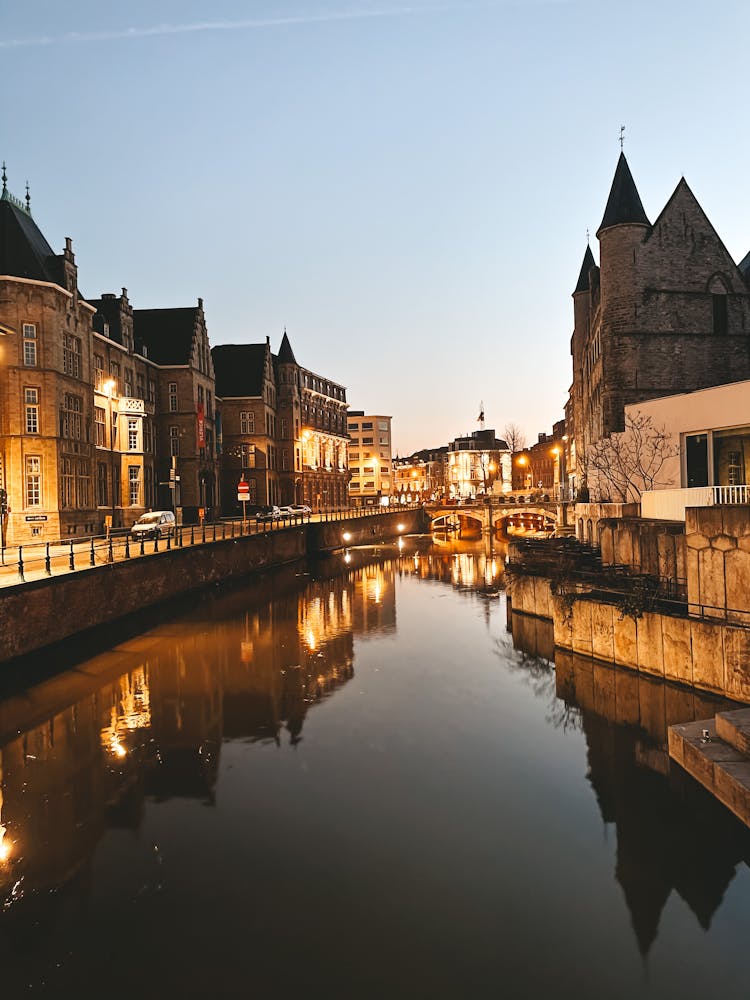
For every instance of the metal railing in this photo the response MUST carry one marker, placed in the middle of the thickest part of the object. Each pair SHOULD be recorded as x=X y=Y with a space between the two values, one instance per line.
x=670 y=505
x=37 y=560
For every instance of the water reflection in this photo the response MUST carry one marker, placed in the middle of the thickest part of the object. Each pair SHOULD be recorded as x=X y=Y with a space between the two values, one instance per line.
x=430 y=757
x=671 y=835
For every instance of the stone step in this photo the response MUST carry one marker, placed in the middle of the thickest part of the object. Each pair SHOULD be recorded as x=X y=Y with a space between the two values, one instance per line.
x=734 y=728
x=717 y=765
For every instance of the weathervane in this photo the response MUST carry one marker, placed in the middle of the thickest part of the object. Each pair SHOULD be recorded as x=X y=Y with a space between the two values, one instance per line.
x=622 y=137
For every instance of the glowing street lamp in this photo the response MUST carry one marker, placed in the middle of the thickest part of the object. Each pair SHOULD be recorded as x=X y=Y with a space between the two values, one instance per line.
x=108 y=388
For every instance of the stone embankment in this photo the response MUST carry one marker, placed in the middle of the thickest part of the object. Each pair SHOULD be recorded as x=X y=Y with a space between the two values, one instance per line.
x=48 y=611
x=626 y=618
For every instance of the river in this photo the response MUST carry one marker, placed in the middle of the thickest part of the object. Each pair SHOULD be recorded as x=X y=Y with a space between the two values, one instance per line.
x=353 y=780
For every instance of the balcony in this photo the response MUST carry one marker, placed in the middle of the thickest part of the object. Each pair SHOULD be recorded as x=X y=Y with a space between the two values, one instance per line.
x=669 y=505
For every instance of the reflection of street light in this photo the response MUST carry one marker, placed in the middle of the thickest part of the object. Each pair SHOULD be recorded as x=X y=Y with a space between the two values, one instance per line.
x=109 y=388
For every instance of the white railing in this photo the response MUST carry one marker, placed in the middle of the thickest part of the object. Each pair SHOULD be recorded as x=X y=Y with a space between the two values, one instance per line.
x=669 y=505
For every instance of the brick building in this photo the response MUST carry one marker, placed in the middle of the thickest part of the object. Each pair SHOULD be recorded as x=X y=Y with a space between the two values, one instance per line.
x=283 y=428
x=370 y=458
x=666 y=311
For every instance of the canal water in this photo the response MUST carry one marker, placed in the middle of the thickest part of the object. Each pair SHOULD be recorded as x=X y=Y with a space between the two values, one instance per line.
x=354 y=780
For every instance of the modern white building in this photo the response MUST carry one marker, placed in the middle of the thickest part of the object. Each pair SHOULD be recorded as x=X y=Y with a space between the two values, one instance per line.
x=710 y=433
x=370 y=458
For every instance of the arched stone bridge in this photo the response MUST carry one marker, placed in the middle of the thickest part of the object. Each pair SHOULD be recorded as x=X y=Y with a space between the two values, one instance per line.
x=492 y=516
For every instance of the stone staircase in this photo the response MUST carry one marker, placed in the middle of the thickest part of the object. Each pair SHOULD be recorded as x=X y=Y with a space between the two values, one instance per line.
x=716 y=752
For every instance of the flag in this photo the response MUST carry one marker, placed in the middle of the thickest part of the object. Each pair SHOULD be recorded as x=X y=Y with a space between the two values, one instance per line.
x=480 y=418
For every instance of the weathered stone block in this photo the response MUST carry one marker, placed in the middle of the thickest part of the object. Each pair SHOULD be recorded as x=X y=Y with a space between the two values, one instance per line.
x=602 y=631
x=582 y=627
x=650 y=648
x=737 y=669
x=713 y=594
x=737 y=577
x=697 y=541
x=678 y=659
x=625 y=641
x=723 y=543
x=707 y=645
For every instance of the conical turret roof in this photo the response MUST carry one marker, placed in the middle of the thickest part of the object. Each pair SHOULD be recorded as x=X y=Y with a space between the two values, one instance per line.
x=624 y=203
x=583 y=277
x=286 y=354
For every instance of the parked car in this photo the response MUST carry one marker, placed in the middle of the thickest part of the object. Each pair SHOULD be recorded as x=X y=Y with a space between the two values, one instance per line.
x=269 y=513
x=298 y=508
x=154 y=524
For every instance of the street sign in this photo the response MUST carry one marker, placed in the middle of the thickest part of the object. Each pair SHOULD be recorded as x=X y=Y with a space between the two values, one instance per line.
x=243 y=491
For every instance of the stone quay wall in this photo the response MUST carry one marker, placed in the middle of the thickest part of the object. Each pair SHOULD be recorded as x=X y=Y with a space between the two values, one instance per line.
x=44 y=612
x=710 y=656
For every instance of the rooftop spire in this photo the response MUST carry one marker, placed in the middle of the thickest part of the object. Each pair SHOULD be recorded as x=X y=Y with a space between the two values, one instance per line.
x=5 y=178
x=583 y=277
x=28 y=199
x=286 y=354
x=624 y=203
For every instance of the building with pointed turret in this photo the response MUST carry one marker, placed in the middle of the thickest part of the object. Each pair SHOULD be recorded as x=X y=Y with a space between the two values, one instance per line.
x=283 y=428
x=666 y=311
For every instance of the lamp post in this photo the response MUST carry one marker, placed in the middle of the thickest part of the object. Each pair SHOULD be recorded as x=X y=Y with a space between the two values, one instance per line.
x=556 y=475
x=525 y=462
x=109 y=389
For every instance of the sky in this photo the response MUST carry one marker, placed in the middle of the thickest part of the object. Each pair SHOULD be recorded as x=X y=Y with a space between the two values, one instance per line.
x=406 y=187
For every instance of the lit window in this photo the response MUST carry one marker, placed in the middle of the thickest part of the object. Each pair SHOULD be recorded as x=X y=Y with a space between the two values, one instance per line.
x=33 y=481
x=29 y=345
x=173 y=398
x=134 y=484
x=132 y=435
x=174 y=440
x=31 y=398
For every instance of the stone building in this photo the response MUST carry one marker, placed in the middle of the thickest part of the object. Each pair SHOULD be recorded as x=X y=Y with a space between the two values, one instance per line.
x=478 y=463
x=420 y=476
x=666 y=311
x=46 y=395
x=541 y=467
x=175 y=341
x=95 y=399
x=283 y=428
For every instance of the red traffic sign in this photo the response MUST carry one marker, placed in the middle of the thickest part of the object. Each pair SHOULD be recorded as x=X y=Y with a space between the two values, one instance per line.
x=243 y=487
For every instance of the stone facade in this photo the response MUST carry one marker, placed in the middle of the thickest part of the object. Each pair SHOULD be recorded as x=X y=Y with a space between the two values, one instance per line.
x=666 y=311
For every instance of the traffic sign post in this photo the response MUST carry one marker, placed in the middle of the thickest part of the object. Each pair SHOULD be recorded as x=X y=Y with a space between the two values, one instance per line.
x=243 y=495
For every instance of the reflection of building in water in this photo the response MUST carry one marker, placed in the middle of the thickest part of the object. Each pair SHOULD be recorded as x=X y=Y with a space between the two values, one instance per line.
x=670 y=835
x=285 y=656
x=465 y=565
x=374 y=599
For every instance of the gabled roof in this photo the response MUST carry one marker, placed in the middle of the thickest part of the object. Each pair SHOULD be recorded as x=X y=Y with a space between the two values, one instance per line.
x=239 y=369
x=744 y=266
x=286 y=354
x=583 y=277
x=24 y=252
x=167 y=334
x=624 y=203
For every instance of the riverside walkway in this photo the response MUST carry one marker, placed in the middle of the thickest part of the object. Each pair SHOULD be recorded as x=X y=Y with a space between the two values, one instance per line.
x=40 y=560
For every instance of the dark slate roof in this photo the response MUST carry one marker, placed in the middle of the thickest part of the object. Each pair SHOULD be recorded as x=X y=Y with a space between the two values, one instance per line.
x=624 y=204
x=286 y=354
x=167 y=334
x=107 y=311
x=583 y=277
x=744 y=266
x=239 y=369
x=24 y=252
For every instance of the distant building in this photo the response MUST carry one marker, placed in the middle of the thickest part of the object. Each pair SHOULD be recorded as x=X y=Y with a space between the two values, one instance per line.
x=542 y=466
x=666 y=311
x=370 y=458
x=283 y=428
x=421 y=476
x=478 y=463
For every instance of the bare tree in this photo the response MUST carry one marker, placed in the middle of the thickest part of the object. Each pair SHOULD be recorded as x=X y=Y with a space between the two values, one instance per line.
x=514 y=437
x=622 y=466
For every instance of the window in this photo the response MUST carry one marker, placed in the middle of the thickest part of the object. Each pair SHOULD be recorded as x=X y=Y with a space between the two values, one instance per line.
x=101 y=485
x=366 y=440
x=148 y=482
x=100 y=424
x=98 y=371
x=209 y=402
x=353 y=427
x=721 y=323
x=174 y=440
x=382 y=425
x=134 y=484
x=284 y=459
x=33 y=481
x=71 y=417
x=31 y=399
x=367 y=426
x=247 y=456
x=172 y=397
x=72 y=355
x=114 y=371
x=151 y=391
x=140 y=386
x=696 y=456
x=29 y=345
x=383 y=440
x=128 y=383
x=67 y=483
x=247 y=423
x=82 y=484
x=132 y=435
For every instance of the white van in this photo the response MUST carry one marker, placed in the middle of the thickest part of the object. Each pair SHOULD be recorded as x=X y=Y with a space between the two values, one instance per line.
x=154 y=524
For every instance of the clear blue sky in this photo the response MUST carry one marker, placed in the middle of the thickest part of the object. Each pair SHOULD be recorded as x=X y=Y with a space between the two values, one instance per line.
x=405 y=186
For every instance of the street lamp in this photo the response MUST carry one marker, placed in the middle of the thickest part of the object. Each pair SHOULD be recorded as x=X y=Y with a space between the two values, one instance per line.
x=556 y=478
x=109 y=388
x=525 y=462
